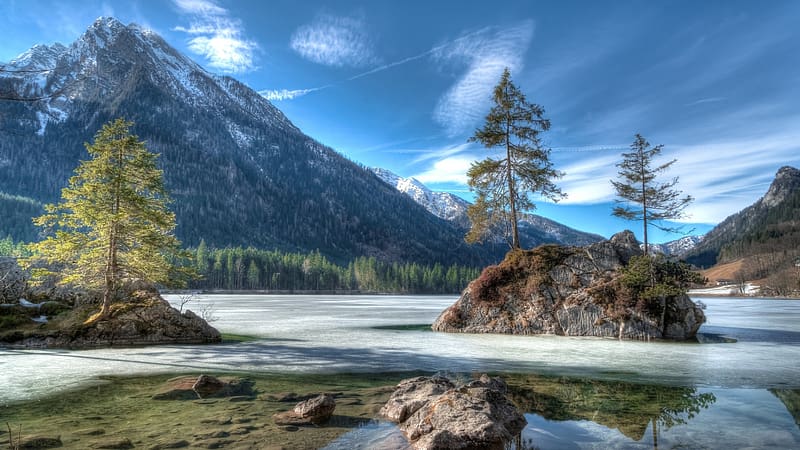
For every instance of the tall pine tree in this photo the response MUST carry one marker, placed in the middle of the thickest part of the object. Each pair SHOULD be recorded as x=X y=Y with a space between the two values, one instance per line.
x=503 y=185
x=113 y=225
x=653 y=201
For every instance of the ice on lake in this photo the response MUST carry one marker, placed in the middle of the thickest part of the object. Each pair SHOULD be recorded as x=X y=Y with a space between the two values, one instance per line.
x=322 y=334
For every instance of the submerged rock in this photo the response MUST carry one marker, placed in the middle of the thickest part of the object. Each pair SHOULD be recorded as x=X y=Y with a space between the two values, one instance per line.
x=314 y=411
x=567 y=291
x=475 y=416
x=204 y=386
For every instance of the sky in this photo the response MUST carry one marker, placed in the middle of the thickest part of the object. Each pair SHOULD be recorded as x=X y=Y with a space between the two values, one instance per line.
x=403 y=85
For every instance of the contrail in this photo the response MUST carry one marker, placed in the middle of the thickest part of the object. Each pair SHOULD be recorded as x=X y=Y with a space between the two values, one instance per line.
x=285 y=94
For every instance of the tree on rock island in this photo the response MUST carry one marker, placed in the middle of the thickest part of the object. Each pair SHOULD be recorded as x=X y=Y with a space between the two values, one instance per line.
x=653 y=201
x=113 y=225
x=503 y=185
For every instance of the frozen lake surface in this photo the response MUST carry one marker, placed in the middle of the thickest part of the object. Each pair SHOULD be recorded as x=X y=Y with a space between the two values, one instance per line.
x=365 y=334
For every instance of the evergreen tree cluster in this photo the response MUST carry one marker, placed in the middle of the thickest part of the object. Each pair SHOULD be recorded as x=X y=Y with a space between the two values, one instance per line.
x=237 y=268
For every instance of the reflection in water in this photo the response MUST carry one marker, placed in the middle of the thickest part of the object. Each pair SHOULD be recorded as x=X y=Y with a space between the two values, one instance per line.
x=628 y=407
x=791 y=400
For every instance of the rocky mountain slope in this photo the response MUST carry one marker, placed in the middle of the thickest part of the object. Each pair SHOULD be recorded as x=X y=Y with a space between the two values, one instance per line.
x=534 y=229
x=770 y=226
x=239 y=171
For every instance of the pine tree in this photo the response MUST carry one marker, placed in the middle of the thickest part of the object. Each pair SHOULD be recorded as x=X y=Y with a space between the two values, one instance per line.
x=503 y=185
x=113 y=225
x=656 y=201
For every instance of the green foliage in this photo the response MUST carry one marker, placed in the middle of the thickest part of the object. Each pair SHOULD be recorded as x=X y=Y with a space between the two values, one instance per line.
x=9 y=248
x=113 y=225
x=503 y=186
x=253 y=269
x=650 y=278
x=638 y=186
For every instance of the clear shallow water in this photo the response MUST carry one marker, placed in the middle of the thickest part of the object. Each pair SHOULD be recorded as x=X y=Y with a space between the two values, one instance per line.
x=343 y=334
x=578 y=392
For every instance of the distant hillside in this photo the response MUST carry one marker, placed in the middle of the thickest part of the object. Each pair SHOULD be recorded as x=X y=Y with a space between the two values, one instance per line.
x=534 y=229
x=765 y=235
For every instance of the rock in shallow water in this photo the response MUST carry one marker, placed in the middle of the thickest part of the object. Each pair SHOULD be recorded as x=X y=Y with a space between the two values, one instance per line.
x=475 y=416
x=314 y=411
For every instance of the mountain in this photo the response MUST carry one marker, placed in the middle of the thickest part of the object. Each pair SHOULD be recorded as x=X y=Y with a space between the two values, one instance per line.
x=677 y=247
x=534 y=230
x=767 y=233
x=240 y=173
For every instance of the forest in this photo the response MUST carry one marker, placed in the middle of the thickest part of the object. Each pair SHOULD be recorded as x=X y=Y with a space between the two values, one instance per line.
x=237 y=268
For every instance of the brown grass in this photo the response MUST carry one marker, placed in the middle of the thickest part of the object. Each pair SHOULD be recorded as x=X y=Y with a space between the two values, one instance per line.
x=725 y=271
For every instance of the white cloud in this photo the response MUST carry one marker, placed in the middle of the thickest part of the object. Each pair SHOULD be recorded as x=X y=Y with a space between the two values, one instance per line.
x=485 y=54
x=335 y=41
x=452 y=169
x=217 y=36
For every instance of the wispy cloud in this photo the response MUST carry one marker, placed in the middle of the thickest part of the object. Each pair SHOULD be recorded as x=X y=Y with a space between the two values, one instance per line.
x=336 y=41
x=706 y=100
x=722 y=175
x=217 y=36
x=485 y=54
x=286 y=94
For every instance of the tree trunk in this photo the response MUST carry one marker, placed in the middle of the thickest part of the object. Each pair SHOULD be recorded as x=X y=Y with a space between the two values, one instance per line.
x=511 y=188
x=644 y=202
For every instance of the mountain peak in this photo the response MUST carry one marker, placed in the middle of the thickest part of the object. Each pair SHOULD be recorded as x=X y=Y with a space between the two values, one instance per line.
x=786 y=181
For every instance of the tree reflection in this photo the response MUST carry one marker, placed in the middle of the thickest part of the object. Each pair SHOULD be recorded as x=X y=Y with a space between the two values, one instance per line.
x=627 y=407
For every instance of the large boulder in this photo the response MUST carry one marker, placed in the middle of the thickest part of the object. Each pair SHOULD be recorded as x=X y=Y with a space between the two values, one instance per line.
x=474 y=416
x=568 y=291
x=412 y=394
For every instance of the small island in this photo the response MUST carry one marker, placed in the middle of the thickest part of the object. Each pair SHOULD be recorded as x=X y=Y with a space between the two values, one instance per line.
x=608 y=289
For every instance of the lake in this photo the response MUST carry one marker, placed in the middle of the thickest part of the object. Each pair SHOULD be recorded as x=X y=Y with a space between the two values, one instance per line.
x=738 y=388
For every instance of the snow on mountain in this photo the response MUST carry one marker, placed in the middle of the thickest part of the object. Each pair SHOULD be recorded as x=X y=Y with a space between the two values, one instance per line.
x=106 y=56
x=533 y=228
x=441 y=204
x=676 y=247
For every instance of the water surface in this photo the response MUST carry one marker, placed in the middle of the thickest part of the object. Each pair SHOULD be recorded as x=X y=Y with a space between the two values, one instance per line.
x=737 y=388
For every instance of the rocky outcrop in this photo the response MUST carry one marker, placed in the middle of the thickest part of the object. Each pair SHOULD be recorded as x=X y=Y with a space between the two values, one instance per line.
x=568 y=291
x=144 y=318
x=314 y=411
x=474 y=416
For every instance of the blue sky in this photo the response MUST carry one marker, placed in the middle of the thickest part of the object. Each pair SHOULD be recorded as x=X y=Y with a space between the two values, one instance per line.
x=402 y=85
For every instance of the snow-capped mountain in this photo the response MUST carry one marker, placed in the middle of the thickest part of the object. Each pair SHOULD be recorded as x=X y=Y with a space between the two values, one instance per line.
x=239 y=171
x=441 y=204
x=108 y=57
x=677 y=247
x=534 y=229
